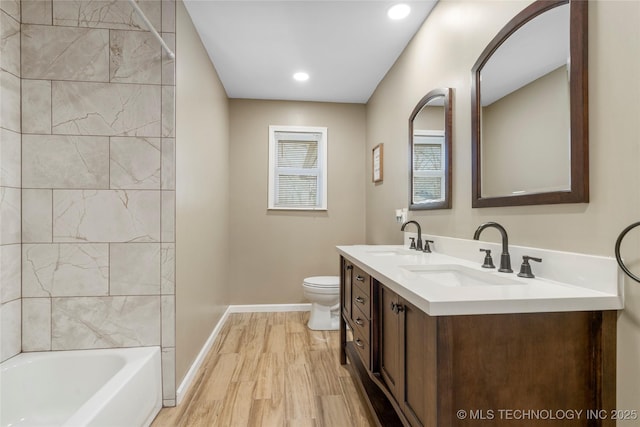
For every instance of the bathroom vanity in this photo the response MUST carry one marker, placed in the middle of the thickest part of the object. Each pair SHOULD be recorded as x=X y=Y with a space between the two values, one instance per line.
x=436 y=340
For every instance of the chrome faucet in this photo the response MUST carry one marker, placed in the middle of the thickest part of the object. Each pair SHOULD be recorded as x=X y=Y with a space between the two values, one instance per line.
x=505 y=259
x=419 y=243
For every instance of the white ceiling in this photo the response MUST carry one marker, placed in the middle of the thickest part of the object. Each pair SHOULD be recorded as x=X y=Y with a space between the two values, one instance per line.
x=346 y=47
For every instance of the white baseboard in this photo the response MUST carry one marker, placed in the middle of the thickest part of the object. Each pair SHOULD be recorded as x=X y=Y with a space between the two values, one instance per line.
x=181 y=392
x=269 y=308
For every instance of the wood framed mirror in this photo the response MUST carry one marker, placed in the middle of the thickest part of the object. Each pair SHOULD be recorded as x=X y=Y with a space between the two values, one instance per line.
x=430 y=154
x=529 y=109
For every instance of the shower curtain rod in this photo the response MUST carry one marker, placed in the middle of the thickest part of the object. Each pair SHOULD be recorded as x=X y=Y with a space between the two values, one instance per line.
x=152 y=29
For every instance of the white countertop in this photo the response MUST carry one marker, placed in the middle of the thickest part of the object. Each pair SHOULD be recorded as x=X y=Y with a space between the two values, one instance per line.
x=529 y=295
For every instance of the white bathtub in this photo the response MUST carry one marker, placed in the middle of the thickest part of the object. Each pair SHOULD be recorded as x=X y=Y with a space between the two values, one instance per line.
x=111 y=388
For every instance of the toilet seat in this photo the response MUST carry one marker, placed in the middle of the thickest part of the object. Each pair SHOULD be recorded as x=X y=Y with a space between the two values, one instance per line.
x=323 y=282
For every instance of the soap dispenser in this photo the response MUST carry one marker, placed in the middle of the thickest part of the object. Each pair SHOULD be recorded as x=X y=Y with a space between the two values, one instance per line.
x=525 y=268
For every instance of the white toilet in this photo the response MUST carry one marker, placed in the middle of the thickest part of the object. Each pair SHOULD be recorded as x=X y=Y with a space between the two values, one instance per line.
x=324 y=294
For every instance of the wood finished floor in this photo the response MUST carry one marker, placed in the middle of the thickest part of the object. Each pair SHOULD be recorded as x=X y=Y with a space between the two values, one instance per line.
x=269 y=369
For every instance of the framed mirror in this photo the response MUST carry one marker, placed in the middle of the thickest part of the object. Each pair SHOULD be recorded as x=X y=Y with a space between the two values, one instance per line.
x=529 y=108
x=430 y=151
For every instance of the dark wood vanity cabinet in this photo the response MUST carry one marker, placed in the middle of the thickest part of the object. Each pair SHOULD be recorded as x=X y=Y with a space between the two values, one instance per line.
x=479 y=370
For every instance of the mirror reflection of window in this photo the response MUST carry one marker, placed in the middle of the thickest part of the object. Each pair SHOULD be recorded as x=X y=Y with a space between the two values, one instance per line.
x=428 y=166
x=430 y=126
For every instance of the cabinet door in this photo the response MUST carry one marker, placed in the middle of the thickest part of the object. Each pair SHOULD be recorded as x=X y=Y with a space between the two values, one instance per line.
x=347 y=277
x=418 y=365
x=389 y=341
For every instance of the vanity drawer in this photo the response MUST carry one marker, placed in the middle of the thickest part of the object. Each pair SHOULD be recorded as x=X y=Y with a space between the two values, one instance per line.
x=361 y=279
x=362 y=346
x=361 y=300
x=361 y=323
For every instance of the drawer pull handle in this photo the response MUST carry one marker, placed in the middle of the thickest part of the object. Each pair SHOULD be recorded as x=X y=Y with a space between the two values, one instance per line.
x=360 y=278
x=359 y=343
x=349 y=267
x=360 y=300
x=359 y=321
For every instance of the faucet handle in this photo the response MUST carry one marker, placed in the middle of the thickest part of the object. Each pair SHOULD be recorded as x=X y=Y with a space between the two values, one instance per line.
x=413 y=243
x=426 y=246
x=525 y=268
x=488 y=261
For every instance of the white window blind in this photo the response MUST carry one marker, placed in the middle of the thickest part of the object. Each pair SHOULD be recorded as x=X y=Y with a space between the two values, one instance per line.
x=297 y=167
x=428 y=166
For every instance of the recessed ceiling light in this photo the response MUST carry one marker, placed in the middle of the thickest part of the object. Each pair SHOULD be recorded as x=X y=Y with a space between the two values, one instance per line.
x=399 y=11
x=301 y=76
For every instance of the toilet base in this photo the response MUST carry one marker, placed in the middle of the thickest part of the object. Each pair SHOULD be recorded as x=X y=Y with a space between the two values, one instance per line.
x=323 y=318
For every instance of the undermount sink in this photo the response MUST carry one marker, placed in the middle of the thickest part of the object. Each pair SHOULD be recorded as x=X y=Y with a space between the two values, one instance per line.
x=452 y=275
x=393 y=252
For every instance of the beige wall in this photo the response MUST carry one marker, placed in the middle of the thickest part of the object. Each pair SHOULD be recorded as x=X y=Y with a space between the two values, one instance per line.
x=273 y=251
x=442 y=54
x=526 y=138
x=202 y=184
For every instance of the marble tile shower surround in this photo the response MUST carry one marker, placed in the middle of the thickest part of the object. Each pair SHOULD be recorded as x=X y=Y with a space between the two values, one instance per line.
x=10 y=181
x=88 y=252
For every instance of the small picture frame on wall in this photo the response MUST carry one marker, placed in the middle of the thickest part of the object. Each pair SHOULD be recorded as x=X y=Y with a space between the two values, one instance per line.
x=378 y=156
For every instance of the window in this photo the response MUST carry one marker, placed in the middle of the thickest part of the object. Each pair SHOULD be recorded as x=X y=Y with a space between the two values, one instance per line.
x=297 y=167
x=428 y=166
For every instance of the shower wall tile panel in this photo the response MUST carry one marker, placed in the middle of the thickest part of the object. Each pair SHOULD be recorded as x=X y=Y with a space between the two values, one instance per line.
x=10 y=273
x=64 y=53
x=10 y=101
x=37 y=12
x=168 y=163
x=135 y=163
x=168 y=16
x=135 y=268
x=106 y=216
x=105 y=322
x=97 y=172
x=168 y=64
x=168 y=111
x=10 y=330
x=9 y=158
x=168 y=320
x=37 y=216
x=60 y=161
x=135 y=57
x=117 y=15
x=10 y=180
x=109 y=109
x=9 y=44
x=168 y=375
x=36 y=324
x=36 y=106
x=168 y=216
x=67 y=269
x=167 y=269
x=10 y=214
x=11 y=7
